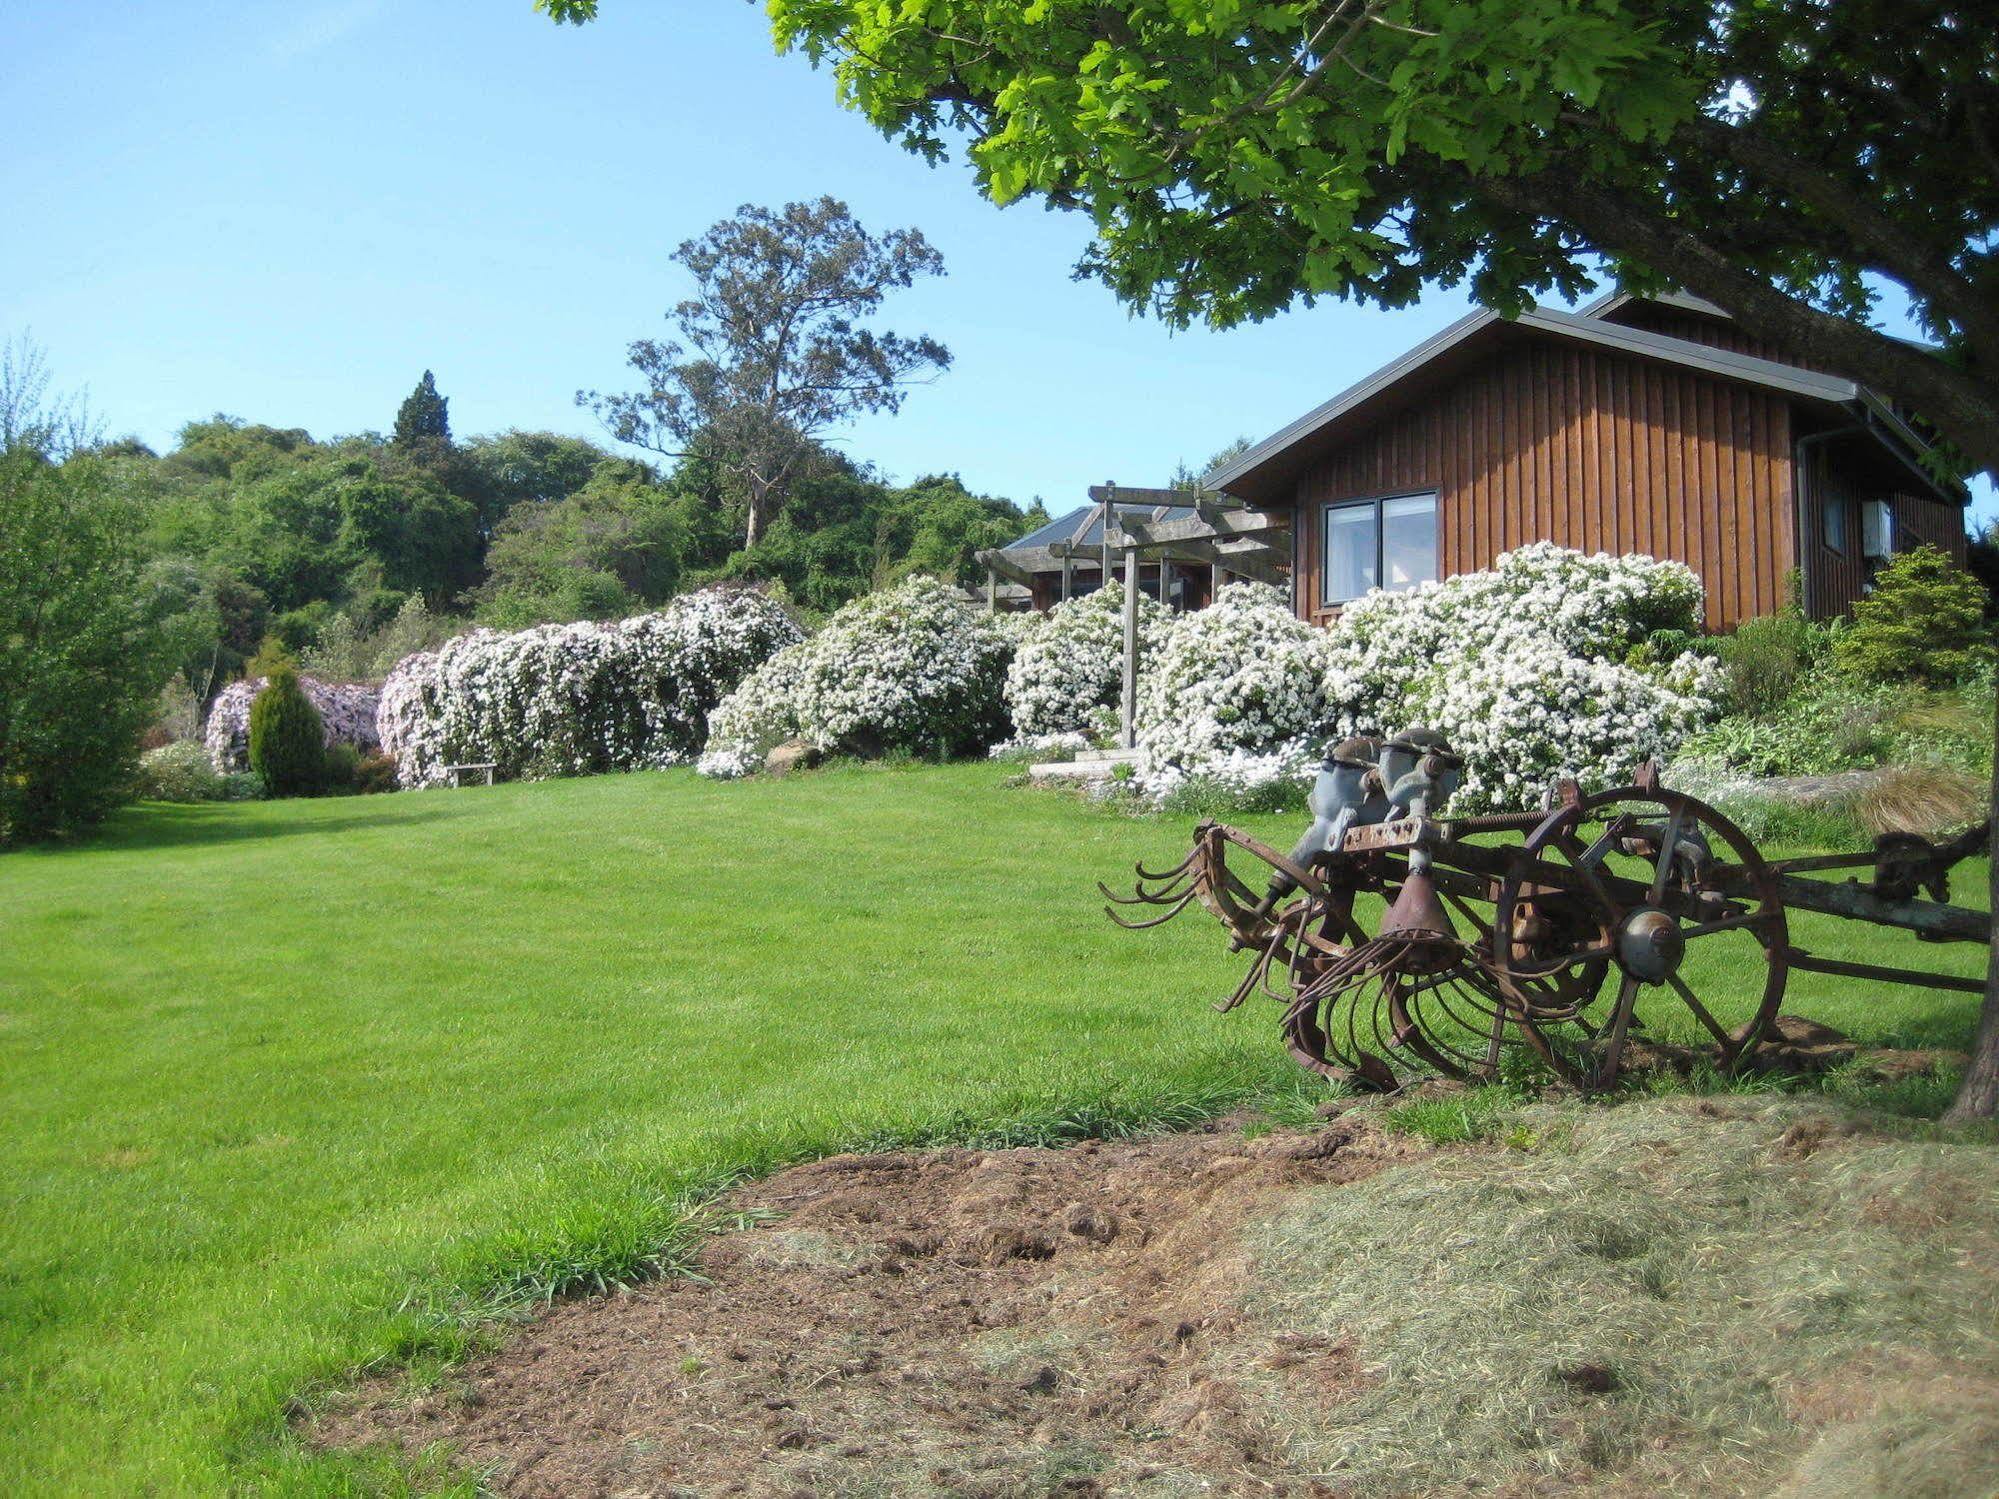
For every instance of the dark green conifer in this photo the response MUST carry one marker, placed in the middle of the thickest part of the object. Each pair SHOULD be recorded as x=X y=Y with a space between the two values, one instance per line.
x=423 y=422
x=287 y=737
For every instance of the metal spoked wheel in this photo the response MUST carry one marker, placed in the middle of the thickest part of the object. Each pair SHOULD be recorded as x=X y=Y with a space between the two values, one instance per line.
x=1631 y=883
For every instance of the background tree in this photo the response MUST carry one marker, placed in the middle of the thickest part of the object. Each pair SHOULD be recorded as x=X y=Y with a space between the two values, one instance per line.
x=423 y=422
x=83 y=654
x=773 y=347
x=610 y=549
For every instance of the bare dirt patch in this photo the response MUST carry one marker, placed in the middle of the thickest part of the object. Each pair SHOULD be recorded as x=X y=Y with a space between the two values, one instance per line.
x=974 y=1322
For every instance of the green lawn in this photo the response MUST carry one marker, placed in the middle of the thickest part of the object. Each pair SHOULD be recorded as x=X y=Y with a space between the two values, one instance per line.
x=269 y=1073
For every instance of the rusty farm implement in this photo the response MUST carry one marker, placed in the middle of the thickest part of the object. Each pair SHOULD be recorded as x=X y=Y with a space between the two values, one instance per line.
x=1539 y=929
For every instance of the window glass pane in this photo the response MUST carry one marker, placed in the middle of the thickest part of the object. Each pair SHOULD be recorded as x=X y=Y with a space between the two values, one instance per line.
x=1350 y=546
x=1409 y=541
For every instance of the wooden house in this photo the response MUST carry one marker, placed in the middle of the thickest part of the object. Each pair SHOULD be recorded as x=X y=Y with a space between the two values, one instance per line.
x=1649 y=425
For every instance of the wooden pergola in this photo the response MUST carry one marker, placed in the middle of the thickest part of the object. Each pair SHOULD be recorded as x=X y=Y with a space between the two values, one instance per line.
x=1226 y=535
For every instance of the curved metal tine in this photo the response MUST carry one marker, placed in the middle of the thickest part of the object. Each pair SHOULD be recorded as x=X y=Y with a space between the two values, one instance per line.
x=1172 y=874
x=1142 y=896
x=1138 y=926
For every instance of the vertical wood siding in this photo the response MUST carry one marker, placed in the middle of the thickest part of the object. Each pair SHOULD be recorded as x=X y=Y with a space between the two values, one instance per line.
x=1838 y=575
x=1590 y=449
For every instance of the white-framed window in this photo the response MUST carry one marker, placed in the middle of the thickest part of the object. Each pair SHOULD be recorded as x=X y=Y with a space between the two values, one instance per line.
x=1387 y=542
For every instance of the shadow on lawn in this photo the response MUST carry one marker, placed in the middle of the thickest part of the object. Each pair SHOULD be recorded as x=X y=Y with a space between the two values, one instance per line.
x=172 y=825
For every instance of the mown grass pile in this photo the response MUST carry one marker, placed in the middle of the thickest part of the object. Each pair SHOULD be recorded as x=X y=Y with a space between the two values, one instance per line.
x=1678 y=1295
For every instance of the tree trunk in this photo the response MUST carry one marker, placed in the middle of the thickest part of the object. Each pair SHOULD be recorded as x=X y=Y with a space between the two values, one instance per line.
x=1978 y=1098
x=754 y=524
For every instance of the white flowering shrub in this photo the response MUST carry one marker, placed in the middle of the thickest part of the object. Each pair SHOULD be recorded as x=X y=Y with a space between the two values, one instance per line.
x=1074 y=662
x=1523 y=714
x=910 y=668
x=1235 y=693
x=1523 y=669
x=347 y=709
x=578 y=699
x=1594 y=606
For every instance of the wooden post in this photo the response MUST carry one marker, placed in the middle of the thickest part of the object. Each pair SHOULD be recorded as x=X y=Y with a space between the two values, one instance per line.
x=992 y=591
x=1110 y=516
x=1128 y=706
x=1068 y=574
x=1217 y=576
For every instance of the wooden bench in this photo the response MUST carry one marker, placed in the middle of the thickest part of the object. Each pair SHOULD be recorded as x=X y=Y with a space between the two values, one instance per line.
x=457 y=772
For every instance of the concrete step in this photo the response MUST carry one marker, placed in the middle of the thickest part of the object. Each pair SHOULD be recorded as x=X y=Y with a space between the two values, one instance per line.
x=1073 y=770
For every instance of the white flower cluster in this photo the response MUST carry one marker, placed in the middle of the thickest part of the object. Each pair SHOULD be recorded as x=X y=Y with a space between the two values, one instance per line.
x=581 y=698
x=1522 y=668
x=1527 y=713
x=1075 y=661
x=347 y=709
x=911 y=668
x=1236 y=692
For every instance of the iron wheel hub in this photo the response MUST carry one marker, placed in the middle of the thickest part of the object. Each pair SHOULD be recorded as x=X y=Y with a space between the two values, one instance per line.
x=1649 y=945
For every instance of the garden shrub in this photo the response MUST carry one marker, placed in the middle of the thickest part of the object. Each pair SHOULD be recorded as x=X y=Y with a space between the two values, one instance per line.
x=374 y=774
x=1764 y=659
x=1924 y=622
x=287 y=739
x=582 y=698
x=341 y=774
x=347 y=711
x=907 y=670
x=1527 y=668
x=1073 y=662
x=178 y=772
x=1234 y=700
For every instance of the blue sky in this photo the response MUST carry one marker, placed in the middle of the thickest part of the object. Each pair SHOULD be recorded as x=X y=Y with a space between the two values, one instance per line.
x=288 y=212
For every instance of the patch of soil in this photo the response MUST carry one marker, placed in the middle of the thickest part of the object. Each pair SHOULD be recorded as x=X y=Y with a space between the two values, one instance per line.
x=1015 y=1322
x=1794 y=1047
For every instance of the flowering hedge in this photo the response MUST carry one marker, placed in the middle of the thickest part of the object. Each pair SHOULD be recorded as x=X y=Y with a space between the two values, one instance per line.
x=1523 y=668
x=1236 y=694
x=347 y=709
x=1074 y=662
x=582 y=698
x=1532 y=670
x=911 y=668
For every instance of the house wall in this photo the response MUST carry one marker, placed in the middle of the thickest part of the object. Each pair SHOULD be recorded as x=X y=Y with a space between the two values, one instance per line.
x=1590 y=449
x=1838 y=574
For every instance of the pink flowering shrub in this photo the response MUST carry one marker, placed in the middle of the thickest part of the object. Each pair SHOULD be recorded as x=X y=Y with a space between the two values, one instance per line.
x=578 y=699
x=347 y=709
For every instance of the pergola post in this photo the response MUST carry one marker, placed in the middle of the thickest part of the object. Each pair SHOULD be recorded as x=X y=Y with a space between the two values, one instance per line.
x=1128 y=702
x=992 y=591
x=1110 y=517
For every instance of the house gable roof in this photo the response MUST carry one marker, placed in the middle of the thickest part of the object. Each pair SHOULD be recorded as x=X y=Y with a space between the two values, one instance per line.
x=1261 y=471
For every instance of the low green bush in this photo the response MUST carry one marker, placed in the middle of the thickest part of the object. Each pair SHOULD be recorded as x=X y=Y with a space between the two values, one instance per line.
x=375 y=774
x=342 y=775
x=287 y=737
x=1924 y=622
x=1764 y=659
x=178 y=772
